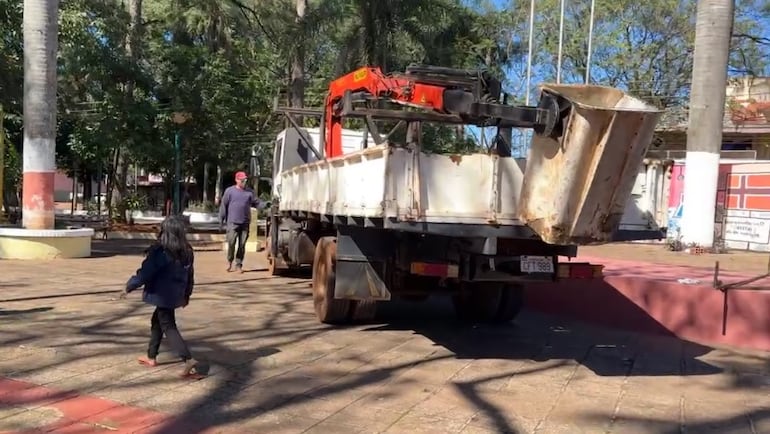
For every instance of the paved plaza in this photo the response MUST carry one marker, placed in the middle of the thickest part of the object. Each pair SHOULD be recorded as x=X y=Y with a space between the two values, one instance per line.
x=68 y=351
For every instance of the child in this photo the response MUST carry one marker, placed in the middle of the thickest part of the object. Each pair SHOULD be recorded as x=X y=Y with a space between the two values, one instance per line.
x=168 y=277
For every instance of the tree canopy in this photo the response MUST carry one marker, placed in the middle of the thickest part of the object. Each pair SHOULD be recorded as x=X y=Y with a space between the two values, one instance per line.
x=125 y=67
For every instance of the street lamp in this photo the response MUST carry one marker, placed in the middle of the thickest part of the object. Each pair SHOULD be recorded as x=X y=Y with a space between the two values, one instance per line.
x=178 y=118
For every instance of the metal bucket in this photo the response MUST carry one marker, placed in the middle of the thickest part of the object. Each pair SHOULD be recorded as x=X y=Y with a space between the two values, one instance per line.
x=576 y=185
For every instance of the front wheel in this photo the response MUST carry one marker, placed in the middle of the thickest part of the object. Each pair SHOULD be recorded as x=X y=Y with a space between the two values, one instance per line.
x=328 y=309
x=272 y=267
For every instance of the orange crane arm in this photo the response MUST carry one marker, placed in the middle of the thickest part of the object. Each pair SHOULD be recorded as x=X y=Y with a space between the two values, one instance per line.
x=372 y=81
x=447 y=95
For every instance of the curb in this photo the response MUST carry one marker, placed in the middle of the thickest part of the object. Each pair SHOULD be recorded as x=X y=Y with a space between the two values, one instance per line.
x=251 y=246
x=123 y=235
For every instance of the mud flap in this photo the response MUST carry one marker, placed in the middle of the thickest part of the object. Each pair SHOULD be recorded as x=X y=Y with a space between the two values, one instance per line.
x=359 y=281
x=578 y=180
x=361 y=257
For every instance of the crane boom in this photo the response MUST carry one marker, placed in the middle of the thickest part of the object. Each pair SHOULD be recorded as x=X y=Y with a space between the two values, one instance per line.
x=443 y=94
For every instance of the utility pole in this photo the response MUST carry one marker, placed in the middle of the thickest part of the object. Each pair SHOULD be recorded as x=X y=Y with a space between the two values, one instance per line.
x=713 y=31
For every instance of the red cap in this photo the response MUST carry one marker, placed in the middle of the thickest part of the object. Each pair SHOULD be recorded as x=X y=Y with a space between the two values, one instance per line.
x=240 y=175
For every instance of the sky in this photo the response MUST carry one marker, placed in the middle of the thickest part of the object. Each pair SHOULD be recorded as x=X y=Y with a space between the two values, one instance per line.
x=522 y=136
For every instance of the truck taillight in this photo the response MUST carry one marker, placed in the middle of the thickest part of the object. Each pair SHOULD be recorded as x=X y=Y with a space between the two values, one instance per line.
x=435 y=270
x=572 y=270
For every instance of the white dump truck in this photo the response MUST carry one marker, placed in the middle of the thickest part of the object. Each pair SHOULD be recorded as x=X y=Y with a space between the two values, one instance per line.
x=377 y=218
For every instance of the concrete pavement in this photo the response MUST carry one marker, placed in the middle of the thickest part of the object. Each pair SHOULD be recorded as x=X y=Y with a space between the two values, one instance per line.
x=66 y=340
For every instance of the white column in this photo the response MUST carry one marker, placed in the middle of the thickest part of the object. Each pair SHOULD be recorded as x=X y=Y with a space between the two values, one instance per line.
x=39 y=162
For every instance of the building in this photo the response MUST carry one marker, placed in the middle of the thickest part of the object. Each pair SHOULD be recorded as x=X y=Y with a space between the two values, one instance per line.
x=742 y=218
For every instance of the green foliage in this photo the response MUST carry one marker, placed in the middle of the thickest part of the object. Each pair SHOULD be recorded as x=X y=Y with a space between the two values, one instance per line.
x=134 y=201
x=11 y=55
x=224 y=63
x=12 y=172
x=645 y=47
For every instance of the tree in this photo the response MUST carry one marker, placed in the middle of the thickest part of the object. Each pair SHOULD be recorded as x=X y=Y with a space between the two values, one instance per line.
x=704 y=131
x=40 y=47
x=117 y=187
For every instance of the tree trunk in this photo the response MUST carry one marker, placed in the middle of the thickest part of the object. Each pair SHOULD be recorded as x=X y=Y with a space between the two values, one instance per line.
x=40 y=47
x=120 y=175
x=297 y=85
x=205 y=189
x=218 y=186
x=713 y=31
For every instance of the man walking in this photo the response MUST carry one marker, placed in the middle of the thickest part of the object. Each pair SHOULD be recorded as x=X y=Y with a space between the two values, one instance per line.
x=235 y=213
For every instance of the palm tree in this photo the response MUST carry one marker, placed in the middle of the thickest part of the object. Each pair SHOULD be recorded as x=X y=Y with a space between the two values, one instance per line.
x=40 y=47
x=713 y=31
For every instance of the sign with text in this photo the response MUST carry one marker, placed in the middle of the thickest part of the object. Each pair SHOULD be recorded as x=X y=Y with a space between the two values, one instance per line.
x=747 y=229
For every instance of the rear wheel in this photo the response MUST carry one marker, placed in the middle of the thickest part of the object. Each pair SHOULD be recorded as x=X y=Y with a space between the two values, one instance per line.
x=328 y=309
x=511 y=303
x=272 y=268
x=363 y=310
x=488 y=302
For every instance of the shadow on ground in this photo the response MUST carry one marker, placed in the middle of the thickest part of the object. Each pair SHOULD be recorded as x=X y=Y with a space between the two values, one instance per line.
x=540 y=337
x=109 y=248
x=10 y=312
x=268 y=354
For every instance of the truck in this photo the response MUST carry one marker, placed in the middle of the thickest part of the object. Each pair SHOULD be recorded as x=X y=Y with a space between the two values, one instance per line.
x=377 y=218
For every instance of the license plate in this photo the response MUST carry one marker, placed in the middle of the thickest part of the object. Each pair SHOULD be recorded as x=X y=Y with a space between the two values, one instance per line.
x=536 y=264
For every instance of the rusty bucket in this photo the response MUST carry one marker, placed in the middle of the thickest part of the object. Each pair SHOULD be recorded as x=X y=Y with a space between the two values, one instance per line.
x=576 y=185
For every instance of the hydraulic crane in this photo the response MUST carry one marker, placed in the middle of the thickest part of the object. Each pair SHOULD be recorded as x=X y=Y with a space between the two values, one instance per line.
x=445 y=95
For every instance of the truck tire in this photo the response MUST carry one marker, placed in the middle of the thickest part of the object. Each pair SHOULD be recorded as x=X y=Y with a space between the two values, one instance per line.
x=363 y=310
x=478 y=302
x=272 y=269
x=328 y=309
x=511 y=303
x=489 y=302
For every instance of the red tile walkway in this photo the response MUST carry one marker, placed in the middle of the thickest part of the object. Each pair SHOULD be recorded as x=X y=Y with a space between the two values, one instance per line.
x=85 y=414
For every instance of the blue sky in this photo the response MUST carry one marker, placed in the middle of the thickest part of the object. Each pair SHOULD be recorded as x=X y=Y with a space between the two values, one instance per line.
x=522 y=136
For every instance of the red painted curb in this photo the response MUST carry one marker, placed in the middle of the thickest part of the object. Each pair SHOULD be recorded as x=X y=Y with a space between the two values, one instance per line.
x=647 y=298
x=87 y=414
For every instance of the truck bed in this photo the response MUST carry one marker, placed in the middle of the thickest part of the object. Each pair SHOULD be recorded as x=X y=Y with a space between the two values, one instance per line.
x=400 y=184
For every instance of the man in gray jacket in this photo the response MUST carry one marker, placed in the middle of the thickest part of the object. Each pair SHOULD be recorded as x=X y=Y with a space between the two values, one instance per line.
x=235 y=213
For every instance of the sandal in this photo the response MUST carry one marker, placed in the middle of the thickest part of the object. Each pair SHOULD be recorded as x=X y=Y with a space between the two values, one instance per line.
x=146 y=361
x=190 y=370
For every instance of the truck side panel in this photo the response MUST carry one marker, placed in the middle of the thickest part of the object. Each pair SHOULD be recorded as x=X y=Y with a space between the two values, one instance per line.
x=352 y=185
x=405 y=185
x=473 y=188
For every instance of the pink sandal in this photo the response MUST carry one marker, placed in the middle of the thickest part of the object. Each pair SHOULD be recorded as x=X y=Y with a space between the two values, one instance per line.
x=190 y=370
x=146 y=361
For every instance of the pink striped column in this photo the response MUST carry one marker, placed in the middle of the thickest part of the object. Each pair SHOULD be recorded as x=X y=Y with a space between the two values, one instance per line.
x=40 y=47
x=38 y=184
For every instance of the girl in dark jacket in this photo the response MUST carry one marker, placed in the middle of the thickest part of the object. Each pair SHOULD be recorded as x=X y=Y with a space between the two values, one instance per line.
x=167 y=275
